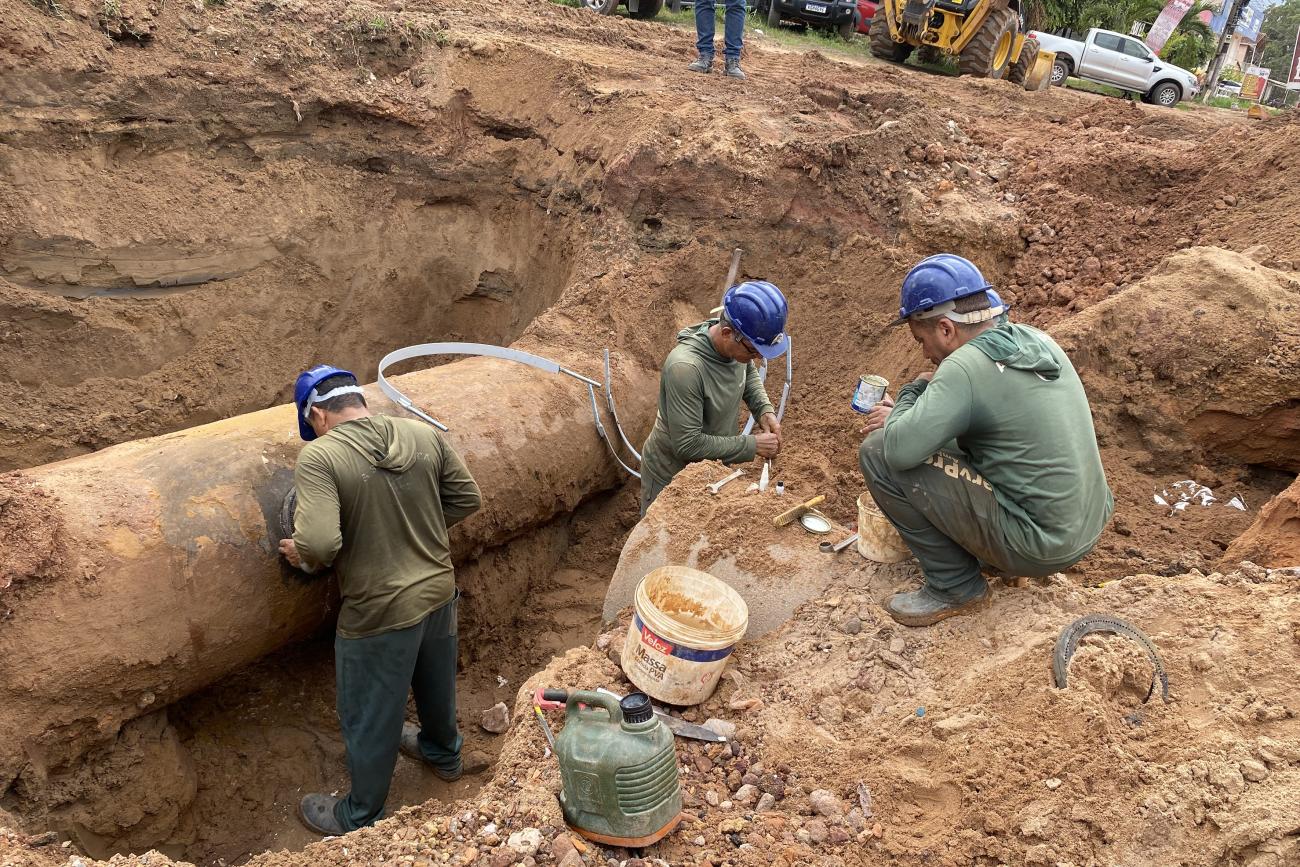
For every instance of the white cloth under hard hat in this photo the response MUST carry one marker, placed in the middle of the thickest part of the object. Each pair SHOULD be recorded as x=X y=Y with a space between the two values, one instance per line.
x=314 y=398
x=948 y=311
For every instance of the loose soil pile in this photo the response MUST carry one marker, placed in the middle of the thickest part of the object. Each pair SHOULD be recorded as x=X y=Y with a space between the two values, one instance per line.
x=199 y=200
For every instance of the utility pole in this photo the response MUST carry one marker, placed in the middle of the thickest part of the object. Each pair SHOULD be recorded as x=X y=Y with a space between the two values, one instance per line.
x=1216 y=65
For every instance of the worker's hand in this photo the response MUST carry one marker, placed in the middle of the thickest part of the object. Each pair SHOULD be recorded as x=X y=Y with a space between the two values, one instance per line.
x=290 y=552
x=879 y=413
x=769 y=424
x=767 y=445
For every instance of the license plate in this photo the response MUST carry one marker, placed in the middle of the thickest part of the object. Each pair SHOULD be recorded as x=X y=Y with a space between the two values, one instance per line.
x=816 y=7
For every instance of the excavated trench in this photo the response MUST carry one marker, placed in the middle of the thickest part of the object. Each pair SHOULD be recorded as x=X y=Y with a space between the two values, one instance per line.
x=338 y=241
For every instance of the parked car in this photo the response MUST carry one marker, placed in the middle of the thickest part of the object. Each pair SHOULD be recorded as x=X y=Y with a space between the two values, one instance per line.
x=1120 y=61
x=1228 y=88
x=866 y=14
x=838 y=15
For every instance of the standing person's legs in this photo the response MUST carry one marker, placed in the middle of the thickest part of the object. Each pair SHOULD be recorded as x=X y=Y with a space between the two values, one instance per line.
x=734 y=29
x=373 y=676
x=434 y=685
x=704 y=30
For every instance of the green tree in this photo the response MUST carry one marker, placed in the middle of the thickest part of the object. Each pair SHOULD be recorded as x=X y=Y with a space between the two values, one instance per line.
x=1280 y=25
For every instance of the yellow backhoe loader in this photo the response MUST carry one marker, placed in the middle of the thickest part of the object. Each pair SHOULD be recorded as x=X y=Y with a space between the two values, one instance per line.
x=983 y=35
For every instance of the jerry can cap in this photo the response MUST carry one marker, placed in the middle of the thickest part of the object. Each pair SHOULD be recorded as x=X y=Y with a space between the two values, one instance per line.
x=636 y=708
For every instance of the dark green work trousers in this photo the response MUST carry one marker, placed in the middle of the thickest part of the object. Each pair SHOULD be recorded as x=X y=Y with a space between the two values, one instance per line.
x=373 y=675
x=947 y=514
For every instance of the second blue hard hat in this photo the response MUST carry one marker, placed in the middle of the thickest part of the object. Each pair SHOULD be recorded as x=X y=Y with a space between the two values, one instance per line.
x=758 y=311
x=938 y=279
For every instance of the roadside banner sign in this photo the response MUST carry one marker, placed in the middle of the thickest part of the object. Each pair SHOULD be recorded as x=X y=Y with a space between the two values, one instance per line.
x=1168 y=19
x=1252 y=86
x=1295 y=60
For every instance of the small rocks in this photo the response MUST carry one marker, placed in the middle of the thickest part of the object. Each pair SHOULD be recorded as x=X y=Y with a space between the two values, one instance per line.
x=1052 y=783
x=496 y=719
x=816 y=830
x=772 y=785
x=897 y=644
x=525 y=842
x=561 y=846
x=825 y=803
x=893 y=660
x=1253 y=771
x=852 y=626
x=766 y=803
x=721 y=726
x=935 y=153
x=831 y=711
x=956 y=724
x=749 y=794
x=712 y=798
x=1227 y=778
x=864 y=800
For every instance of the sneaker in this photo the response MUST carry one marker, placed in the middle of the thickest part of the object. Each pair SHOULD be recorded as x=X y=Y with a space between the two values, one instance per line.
x=410 y=747
x=923 y=608
x=732 y=68
x=317 y=812
x=704 y=63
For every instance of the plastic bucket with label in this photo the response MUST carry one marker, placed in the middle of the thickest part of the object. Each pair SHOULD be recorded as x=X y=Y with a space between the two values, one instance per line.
x=685 y=623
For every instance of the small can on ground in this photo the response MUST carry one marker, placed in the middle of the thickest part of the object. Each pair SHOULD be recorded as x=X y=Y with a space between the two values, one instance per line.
x=870 y=391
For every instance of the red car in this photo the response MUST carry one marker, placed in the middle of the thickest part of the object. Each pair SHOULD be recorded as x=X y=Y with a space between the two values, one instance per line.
x=866 y=11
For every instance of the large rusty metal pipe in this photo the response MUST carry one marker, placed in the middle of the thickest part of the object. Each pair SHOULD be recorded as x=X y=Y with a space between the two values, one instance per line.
x=162 y=573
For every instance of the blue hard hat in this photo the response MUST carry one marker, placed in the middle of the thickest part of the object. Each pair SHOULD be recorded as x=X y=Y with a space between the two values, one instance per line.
x=758 y=311
x=303 y=389
x=936 y=280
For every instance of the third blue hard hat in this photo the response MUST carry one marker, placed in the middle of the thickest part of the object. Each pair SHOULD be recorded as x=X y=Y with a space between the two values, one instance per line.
x=304 y=394
x=936 y=280
x=758 y=311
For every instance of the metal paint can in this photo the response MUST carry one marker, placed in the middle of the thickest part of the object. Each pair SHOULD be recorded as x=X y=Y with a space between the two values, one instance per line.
x=871 y=389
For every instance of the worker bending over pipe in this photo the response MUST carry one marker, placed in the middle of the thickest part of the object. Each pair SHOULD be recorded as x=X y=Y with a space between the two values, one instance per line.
x=376 y=495
x=703 y=380
x=988 y=462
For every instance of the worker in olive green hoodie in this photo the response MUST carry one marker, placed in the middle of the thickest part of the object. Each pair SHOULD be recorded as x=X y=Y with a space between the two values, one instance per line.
x=703 y=381
x=989 y=462
x=375 y=498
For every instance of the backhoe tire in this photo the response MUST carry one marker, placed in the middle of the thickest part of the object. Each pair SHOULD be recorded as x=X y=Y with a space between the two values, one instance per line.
x=882 y=42
x=928 y=54
x=1021 y=68
x=646 y=9
x=989 y=54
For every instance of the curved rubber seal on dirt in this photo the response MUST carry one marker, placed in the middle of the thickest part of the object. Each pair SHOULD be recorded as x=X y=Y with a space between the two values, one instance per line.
x=1068 y=643
x=977 y=59
x=1019 y=70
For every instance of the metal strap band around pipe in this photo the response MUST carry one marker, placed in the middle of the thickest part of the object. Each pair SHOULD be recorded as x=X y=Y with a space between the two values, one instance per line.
x=609 y=399
x=487 y=350
x=600 y=429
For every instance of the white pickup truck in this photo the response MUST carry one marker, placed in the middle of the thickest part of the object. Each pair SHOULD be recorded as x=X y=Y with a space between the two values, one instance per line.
x=1120 y=61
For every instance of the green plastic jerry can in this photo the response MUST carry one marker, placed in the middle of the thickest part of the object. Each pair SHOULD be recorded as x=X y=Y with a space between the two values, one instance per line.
x=618 y=770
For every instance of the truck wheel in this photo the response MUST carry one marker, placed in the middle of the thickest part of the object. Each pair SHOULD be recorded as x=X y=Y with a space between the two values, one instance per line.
x=1166 y=94
x=1024 y=63
x=882 y=41
x=647 y=8
x=1060 y=72
x=603 y=7
x=989 y=54
x=773 y=14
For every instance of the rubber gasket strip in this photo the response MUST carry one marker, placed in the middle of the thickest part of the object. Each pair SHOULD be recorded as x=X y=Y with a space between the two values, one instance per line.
x=1068 y=643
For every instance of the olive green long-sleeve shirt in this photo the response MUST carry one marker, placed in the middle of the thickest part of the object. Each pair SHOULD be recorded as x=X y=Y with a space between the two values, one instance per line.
x=1013 y=402
x=375 y=498
x=699 y=401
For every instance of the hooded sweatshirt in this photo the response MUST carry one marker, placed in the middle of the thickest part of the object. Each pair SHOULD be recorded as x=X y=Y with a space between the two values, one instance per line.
x=699 y=404
x=1016 y=407
x=375 y=498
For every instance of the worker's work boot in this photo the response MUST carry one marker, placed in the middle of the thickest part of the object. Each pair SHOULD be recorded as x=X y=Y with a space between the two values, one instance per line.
x=317 y=813
x=732 y=68
x=410 y=747
x=923 y=608
x=704 y=64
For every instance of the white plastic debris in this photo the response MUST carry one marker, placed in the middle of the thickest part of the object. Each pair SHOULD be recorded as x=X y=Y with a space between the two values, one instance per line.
x=1237 y=503
x=501 y=681
x=1161 y=501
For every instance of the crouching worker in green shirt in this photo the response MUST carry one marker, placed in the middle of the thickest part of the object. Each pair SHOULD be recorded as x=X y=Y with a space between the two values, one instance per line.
x=991 y=460
x=375 y=498
x=703 y=381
